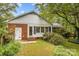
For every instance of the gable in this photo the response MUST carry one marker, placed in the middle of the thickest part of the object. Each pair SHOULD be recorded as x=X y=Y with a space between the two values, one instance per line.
x=31 y=19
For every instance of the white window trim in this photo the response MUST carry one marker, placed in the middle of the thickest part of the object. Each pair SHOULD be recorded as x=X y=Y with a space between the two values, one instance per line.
x=28 y=31
x=51 y=29
x=32 y=30
x=40 y=30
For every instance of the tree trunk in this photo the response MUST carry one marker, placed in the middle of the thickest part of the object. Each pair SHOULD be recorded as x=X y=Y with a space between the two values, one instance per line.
x=1 y=40
x=77 y=30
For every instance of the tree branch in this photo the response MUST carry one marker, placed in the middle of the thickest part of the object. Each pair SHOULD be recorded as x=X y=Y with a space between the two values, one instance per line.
x=65 y=18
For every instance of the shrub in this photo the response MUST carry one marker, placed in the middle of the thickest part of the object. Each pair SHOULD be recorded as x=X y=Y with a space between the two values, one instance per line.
x=54 y=38
x=47 y=36
x=1 y=50
x=10 y=49
x=6 y=38
x=58 y=30
x=63 y=51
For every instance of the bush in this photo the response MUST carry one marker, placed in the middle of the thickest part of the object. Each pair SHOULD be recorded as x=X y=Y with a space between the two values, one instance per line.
x=63 y=51
x=10 y=49
x=54 y=38
x=58 y=30
x=1 y=50
x=6 y=38
x=47 y=36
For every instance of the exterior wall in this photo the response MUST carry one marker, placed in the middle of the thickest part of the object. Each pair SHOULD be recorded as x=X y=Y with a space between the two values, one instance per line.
x=11 y=28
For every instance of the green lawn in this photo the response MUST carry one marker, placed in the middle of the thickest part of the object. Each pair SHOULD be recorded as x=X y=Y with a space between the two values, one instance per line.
x=40 y=48
x=72 y=46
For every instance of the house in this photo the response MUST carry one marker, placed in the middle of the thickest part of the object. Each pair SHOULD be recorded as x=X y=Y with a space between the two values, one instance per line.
x=28 y=25
x=56 y=25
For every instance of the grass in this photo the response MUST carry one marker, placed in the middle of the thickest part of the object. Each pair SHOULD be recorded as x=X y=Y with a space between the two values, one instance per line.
x=40 y=48
x=72 y=46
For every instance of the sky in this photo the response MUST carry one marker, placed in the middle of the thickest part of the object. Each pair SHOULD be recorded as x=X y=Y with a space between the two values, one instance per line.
x=25 y=8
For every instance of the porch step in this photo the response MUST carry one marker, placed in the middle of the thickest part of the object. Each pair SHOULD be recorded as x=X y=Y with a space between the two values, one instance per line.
x=29 y=42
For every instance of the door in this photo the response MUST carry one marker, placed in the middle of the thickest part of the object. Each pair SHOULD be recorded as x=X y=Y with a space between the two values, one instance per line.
x=18 y=33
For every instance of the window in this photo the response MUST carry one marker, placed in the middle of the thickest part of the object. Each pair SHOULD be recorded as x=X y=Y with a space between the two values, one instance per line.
x=42 y=29
x=30 y=30
x=49 y=29
x=36 y=30
x=52 y=29
x=46 y=29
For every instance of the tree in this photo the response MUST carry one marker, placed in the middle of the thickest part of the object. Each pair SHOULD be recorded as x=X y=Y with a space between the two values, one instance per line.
x=6 y=10
x=69 y=13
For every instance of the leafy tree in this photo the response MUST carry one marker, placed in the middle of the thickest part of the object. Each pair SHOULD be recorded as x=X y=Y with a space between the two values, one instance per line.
x=69 y=13
x=6 y=10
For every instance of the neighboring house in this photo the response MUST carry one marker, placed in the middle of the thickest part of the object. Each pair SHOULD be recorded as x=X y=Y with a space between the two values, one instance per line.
x=28 y=25
x=57 y=25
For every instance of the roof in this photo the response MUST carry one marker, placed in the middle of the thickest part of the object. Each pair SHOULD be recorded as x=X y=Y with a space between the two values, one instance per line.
x=57 y=25
x=30 y=18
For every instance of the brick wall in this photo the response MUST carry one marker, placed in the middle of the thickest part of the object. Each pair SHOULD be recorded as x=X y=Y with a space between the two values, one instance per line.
x=11 y=28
